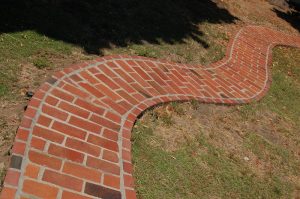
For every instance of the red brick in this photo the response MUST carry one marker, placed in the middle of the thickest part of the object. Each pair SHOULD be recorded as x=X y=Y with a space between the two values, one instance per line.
x=39 y=189
x=130 y=194
x=107 y=81
x=76 y=91
x=108 y=92
x=126 y=77
x=65 y=153
x=69 y=195
x=22 y=134
x=106 y=70
x=12 y=177
x=51 y=100
x=44 y=121
x=127 y=97
x=92 y=90
x=114 y=105
x=8 y=193
x=103 y=165
x=69 y=130
x=104 y=122
x=45 y=160
x=124 y=85
x=37 y=143
x=32 y=171
x=142 y=73
x=109 y=134
x=19 y=148
x=74 y=110
x=89 y=126
x=128 y=168
x=63 y=180
x=30 y=112
x=83 y=146
x=110 y=156
x=128 y=181
x=26 y=123
x=102 y=142
x=126 y=155
x=54 y=112
x=111 y=181
x=113 y=117
x=47 y=134
x=62 y=95
x=89 y=106
x=82 y=172
x=88 y=77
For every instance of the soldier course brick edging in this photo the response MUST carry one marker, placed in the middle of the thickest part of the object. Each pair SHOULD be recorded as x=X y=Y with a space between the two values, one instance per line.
x=74 y=139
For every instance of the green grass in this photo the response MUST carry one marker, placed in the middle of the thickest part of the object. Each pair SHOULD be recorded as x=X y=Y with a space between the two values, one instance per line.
x=188 y=51
x=199 y=169
x=27 y=47
x=41 y=63
x=284 y=95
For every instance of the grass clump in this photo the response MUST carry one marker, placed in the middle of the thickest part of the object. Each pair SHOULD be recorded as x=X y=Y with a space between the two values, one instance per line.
x=41 y=63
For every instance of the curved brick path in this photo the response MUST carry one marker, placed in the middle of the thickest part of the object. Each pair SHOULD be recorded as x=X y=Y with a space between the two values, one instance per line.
x=74 y=139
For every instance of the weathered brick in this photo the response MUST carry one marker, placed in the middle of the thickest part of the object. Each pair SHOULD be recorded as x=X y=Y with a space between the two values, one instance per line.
x=112 y=181
x=54 y=112
x=110 y=156
x=8 y=193
x=70 y=195
x=39 y=189
x=65 y=153
x=19 y=148
x=12 y=177
x=83 y=146
x=69 y=130
x=101 y=192
x=32 y=171
x=103 y=165
x=47 y=134
x=44 y=160
x=84 y=124
x=62 y=180
x=82 y=172
x=102 y=142
x=37 y=143
x=74 y=109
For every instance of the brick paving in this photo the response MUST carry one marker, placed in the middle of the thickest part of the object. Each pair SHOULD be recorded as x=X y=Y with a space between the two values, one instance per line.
x=74 y=139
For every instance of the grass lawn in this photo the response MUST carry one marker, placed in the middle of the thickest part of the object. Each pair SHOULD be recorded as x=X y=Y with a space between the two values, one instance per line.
x=193 y=150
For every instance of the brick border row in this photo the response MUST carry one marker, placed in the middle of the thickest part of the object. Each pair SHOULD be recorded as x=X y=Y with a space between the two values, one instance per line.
x=74 y=138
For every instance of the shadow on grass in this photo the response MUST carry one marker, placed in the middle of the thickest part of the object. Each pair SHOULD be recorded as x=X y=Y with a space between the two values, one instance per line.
x=98 y=24
x=292 y=16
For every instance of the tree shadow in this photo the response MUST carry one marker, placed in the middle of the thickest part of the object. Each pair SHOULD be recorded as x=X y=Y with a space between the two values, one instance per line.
x=98 y=24
x=292 y=15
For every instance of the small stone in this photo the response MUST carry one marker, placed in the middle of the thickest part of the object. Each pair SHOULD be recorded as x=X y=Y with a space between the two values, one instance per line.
x=29 y=94
x=246 y=158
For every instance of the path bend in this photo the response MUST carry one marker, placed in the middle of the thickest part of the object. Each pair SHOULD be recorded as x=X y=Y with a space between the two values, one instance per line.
x=74 y=138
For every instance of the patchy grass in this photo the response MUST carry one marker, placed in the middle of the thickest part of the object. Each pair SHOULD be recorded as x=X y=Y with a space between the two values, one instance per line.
x=210 y=151
x=41 y=63
x=188 y=51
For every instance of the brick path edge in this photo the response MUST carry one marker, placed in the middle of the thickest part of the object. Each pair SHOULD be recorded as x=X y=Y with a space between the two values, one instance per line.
x=74 y=138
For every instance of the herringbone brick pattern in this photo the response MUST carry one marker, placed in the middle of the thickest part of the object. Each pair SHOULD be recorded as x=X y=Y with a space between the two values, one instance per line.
x=74 y=139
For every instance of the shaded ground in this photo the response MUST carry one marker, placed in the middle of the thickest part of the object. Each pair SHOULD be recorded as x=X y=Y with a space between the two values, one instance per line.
x=40 y=37
x=193 y=150
x=95 y=25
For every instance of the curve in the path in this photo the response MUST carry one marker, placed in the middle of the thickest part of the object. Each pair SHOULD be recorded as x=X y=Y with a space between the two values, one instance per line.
x=74 y=139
